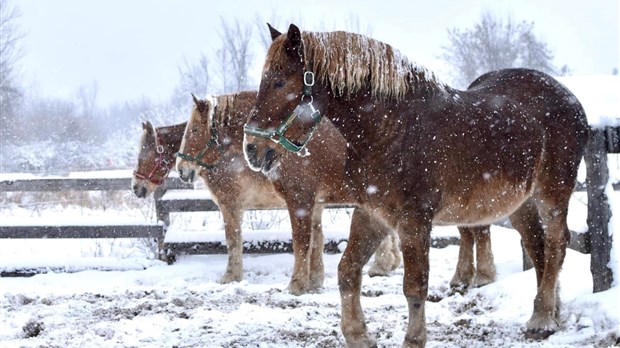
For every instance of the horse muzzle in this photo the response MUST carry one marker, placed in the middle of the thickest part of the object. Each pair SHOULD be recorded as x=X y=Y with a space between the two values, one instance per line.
x=186 y=174
x=264 y=161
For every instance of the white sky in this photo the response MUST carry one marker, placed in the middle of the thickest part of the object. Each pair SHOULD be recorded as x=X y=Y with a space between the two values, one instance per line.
x=133 y=48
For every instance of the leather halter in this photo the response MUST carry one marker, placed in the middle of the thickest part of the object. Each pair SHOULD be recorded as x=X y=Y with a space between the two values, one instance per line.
x=160 y=163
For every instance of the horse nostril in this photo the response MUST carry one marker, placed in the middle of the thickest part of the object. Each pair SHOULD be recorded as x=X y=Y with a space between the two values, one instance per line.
x=250 y=149
x=143 y=192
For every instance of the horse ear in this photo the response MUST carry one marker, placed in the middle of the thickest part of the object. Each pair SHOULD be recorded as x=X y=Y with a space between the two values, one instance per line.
x=148 y=127
x=274 y=32
x=293 y=44
x=200 y=104
x=294 y=36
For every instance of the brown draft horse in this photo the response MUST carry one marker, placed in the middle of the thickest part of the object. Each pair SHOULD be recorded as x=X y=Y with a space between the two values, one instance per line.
x=421 y=153
x=213 y=146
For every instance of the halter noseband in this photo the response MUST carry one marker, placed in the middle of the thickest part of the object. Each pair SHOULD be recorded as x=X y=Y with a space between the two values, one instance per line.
x=198 y=158
x=161 y=163
x=303 y=110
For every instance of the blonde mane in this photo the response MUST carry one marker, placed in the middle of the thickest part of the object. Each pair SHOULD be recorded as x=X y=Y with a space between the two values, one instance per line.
x=350 y=62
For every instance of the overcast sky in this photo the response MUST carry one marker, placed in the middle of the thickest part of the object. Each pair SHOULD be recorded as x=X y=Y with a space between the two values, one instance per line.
x=133 y=48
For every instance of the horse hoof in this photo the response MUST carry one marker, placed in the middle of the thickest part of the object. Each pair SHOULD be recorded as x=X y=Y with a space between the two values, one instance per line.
x=482 y=280
x=366 y=342
x=296 y=288
x=540 y=328
x=228 y=278
x=538 y=334
x=375 y=271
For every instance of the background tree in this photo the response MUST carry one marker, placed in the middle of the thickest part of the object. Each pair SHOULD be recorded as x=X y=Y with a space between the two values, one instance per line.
x=235 y=56
x=494 y=44
x=10 y=91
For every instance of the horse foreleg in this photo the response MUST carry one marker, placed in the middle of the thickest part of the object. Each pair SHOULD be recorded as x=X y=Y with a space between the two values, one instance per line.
x=362 y=243
x=464 y=273
x=388 y=255
x=301 y=222
x=317 y=268
x=415 y=244
x=485 y=265
x=232 y=227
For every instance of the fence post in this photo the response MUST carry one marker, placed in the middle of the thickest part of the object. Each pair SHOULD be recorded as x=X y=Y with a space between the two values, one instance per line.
x=599 y=212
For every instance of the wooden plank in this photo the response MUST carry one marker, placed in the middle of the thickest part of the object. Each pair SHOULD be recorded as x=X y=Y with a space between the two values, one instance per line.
x=599 y=212
x=82 y=231
x=79 y=184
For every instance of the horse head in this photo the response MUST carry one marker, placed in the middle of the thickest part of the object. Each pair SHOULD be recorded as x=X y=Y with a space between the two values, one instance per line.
x=200 y=148
x=154 y=163
x=285 y=114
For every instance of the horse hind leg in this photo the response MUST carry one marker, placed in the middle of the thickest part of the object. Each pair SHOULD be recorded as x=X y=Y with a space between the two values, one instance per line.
x=232 y=227
x=546 y=316
x=464 y=273
x=388 y=255
x=362 y=244
x=528 y=221
x=486 y=273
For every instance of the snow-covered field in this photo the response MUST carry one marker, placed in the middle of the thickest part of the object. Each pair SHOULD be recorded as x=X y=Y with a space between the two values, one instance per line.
x=145 y=303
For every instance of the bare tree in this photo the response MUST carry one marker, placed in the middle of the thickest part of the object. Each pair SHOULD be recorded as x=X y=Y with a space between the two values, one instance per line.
x=193 y=78
x=235 y=56
x=10 y=52
x=494 y=44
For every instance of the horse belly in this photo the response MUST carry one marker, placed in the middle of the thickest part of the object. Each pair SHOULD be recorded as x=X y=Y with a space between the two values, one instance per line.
x=481 y=207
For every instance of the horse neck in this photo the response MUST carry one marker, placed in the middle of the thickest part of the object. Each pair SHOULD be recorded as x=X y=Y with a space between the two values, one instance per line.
x=368 y=122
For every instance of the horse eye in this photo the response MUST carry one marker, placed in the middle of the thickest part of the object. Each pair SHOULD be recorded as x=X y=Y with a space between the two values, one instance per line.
x=278 y=84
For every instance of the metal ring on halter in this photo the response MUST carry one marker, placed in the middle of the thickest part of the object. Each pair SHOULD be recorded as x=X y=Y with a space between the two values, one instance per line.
x=311 y=75
x=311 y=98
x=160 y=149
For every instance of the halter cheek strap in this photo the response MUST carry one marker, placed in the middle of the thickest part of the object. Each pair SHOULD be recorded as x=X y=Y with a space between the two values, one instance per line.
x=303 y=111
x=198 y=158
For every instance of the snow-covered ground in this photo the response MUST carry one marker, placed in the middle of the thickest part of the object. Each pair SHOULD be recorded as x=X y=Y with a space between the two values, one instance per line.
x=140 y=302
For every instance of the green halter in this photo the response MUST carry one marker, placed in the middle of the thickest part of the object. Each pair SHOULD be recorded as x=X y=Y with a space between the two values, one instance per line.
x=303 y=110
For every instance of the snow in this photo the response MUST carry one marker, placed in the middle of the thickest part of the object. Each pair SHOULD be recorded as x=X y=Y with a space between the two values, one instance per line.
x=184 y=305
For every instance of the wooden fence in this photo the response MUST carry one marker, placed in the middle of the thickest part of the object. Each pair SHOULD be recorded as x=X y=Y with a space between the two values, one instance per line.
x=596 y=241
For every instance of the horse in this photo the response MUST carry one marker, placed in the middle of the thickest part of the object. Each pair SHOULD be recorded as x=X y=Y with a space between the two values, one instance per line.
x=156 y=158
x=421 y=153
x=212 y=146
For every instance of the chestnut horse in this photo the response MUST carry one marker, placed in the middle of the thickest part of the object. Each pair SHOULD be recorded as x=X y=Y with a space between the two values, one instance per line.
x=212 y=146
x=421 y=153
